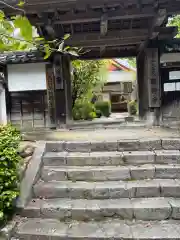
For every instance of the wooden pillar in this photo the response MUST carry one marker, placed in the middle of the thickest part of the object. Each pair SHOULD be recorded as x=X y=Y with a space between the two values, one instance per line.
x=60 y=90
x=139 y=87
x=67 y=86
x=149 y=90
x=142 y=86
x=51 y=100
x=62 y=73
x=153 y=82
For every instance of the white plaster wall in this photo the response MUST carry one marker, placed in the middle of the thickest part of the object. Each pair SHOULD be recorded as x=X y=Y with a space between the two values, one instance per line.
x=121 y=76
x=29 y=76
x=3 y=114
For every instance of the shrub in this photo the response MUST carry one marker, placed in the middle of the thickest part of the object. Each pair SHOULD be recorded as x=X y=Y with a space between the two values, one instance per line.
x=104 y=107
x=84 y=111
x=98 y=113
x=132 y=107
x=9 y=163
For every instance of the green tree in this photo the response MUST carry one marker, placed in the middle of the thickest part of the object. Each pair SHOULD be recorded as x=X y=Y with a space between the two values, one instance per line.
x=17 y=34
x=89 y=76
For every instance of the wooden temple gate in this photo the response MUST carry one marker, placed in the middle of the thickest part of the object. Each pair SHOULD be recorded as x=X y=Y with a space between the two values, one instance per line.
x=107 y=29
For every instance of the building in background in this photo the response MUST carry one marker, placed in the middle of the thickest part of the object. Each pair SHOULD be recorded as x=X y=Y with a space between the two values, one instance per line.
x=121 y=84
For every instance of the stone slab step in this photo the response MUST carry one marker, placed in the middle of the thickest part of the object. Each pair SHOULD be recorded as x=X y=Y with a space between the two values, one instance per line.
x=114 y=145
x=108 y=189
x=111 y=145
x=45 y=229
x=112 y=173
x=83 y=209
x=111 y=158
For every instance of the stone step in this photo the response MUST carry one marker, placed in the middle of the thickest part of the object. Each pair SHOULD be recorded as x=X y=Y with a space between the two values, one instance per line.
x=111 y=158
x=108 y=189
x=112 y=173
x=83 y=209
x=112 y=145
x=45 y=229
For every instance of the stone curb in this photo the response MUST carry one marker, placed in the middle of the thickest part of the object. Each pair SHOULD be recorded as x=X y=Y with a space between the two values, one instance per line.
x=31 y=176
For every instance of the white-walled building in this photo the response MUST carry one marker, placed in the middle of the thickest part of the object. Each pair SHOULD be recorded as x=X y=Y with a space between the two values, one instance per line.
x=33 y=91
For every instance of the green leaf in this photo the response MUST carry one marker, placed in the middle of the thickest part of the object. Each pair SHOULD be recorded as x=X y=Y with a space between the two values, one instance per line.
x=2 y=16
x=7 y=26
x=39 y=39
x=61 y=45
x=67 y=48
x=23 y=46
x=1 y=215
x=16 y=45
x=21 y=3
x=47 y=51
x=66 y=36
x=73 y=53
x=25 y=27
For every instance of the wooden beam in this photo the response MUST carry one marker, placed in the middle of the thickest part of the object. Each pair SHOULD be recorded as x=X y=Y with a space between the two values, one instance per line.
x=95 y=16
x=109 y=53
x=167 y=33
x=105 y=42
x=112 y=38
x=113 y=34
x=139 y=4
x=157 y=22
x=51 y=5
x=153 y=32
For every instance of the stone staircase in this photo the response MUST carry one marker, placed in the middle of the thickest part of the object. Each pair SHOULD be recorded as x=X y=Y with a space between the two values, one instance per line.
x=106 y=190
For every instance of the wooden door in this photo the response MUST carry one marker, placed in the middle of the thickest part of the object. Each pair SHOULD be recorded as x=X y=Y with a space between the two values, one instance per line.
x=28 y=109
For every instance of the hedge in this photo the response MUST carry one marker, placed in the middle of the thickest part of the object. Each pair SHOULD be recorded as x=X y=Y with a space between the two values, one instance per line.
x=132 y=107
x=84 y=111
x=9 y=164
x=104 y=107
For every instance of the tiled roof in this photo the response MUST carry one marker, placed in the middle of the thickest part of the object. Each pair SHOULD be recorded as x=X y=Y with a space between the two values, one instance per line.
x=125 y=64
x=21 y=57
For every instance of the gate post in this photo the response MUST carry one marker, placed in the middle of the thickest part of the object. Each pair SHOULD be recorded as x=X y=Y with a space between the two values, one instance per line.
x=149 y=89
x=142 y=85
x=67 y=74
x=62 y=73
x=153 y=82
x=51 y=101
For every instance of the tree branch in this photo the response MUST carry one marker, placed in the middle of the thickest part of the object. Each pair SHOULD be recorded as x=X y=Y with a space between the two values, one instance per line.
x=25 y=41
x=12 y=7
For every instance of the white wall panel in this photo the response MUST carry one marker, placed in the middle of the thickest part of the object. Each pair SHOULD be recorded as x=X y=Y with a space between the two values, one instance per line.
x=29 y=76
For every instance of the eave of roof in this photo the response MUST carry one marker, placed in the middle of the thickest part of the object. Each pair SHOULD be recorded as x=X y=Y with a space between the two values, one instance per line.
x=21 y=57
x=124 y=64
